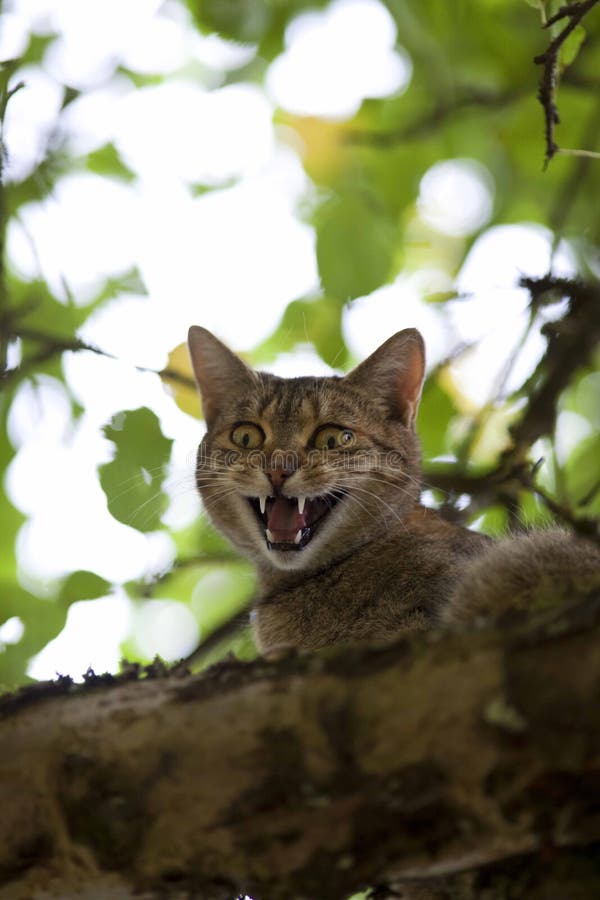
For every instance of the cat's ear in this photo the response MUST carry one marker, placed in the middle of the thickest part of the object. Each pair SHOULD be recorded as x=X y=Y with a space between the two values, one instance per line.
x=394 y=373
x=220 y=374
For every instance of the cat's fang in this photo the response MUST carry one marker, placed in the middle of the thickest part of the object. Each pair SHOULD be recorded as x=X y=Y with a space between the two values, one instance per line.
x=301 y=501
x=298 y=537
x=269 y=535
x=262 y=502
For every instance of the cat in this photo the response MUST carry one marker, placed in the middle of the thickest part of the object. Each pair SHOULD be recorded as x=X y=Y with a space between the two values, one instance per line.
x=317 y=481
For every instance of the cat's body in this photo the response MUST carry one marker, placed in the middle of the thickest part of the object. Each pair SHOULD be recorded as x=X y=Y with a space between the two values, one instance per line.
x=317 y=481
x=398 y=582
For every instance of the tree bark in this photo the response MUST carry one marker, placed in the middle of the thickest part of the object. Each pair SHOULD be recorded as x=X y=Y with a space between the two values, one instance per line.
x=472 y=759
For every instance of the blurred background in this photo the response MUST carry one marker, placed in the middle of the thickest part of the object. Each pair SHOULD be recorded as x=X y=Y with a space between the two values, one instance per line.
x=304 y=179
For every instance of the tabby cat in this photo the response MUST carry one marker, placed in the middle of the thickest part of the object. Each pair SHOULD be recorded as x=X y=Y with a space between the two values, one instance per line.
x=317 y=481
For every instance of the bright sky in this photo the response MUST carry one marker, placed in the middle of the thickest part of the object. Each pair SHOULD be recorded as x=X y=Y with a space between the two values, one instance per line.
x=230 y=259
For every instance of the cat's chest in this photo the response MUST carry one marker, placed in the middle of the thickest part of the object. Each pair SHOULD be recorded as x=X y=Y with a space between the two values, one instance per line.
x=370 y=596
x=395 y=583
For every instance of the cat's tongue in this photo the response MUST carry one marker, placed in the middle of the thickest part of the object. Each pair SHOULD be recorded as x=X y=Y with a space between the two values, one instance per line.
x=284 y=521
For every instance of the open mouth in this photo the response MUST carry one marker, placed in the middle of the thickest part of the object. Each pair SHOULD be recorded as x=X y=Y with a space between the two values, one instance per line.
x=290 y=523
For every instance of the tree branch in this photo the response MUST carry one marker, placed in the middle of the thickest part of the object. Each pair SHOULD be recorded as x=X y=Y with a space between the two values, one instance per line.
x=502 y=485
x=54 y=345
x=571 y=342
x=574 y=12
x=443 y=110
x=309 y=778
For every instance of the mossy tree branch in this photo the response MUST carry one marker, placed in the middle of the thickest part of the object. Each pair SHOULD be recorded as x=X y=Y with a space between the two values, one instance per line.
x=311 y=777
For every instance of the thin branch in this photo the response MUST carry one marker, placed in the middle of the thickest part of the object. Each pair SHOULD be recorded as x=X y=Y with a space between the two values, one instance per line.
x=568 y=11
x=502 y=485
x=7 y=96
x=590 y=154
x=465 y=99
x=446 y=109
x=53 y=345
x=565 y=199
x=575 y=12
x=170 y=375
x=7 y=68
x=584 y=526
x=571 y=341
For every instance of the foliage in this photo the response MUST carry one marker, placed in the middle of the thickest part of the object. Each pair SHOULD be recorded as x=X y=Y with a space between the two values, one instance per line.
x=472 y=97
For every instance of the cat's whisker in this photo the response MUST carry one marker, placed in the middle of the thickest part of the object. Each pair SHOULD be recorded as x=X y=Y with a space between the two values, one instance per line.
x=350 y=497
x=133 y=482
x=395 y=487
x=377 y=498
x=222 y=494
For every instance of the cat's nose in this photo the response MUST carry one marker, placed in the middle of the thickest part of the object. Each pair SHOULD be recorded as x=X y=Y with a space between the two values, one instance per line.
x=277 y=475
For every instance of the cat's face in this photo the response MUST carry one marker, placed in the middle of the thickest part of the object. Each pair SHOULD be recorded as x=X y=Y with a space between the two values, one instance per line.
x=298 y=472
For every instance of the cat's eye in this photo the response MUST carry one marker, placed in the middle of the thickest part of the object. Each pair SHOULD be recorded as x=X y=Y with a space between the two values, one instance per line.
x=247 y=436
x=332 y=437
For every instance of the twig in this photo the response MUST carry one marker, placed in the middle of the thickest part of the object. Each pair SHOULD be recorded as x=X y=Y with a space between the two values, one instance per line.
x=568 y=192
x=585 y=526
x=444 y=109
x=568 y=11
x=441 y=112
x=591 y=154
x=502 y=485
x=170 y=375
x=52 y=345
x=7 y=68
x=571 y=341
x=7 y=96
x=575 y=12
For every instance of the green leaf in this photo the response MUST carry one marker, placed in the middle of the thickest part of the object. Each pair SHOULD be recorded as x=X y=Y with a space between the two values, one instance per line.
x=250 y=21
x=494 y=520
x=37 y=48
x=587 y=402
x=82 y=585
x=43 y=619
x=133 y=480
x=242 y=20
x=216 y=591
x=571 y=47
x=533 y=512
x=435 y=413
x=355 y=247
x=582 y=475
x=10 y=517
x=221 y=593
x=210 y=542
x=106 y=161
x=318 y=321
x=34 y=308
x=39 y=184
x=129 y=282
